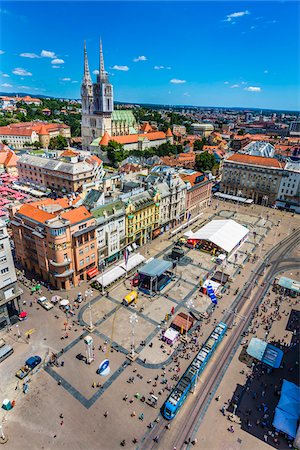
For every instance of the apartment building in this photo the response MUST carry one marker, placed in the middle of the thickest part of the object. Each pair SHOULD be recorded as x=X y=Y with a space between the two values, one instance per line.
x=289 y=189
x=110 y=231
x=67 y=173
x=253 y=177
x=142 y=217
x=9 y=290
x=198 y=194
x=56 y=240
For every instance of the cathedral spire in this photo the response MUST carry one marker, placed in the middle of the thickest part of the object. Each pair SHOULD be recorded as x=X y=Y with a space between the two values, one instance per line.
x=102 y=70
x=86 y=73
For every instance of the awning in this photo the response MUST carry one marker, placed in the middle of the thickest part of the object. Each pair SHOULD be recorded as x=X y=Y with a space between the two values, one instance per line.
x=92 y=272
x=129 y=248
x=134 y=246
x=112 y=275
x=133 y=261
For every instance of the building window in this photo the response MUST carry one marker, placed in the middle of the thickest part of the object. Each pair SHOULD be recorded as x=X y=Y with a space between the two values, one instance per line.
x=81 y=262
x=93 y=256
x=87 y=259
x=3 y=259
x=57 y=231
x=87 y=249
x=5 y=270
x=81 y=227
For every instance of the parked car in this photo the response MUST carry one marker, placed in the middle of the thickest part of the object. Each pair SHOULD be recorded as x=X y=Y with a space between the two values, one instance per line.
x=45 y=303
x=30 y=364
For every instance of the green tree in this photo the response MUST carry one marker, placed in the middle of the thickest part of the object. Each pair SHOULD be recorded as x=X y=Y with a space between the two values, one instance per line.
x=199 y=144
x=58 y=143
x=27 y=144
x=205 y=161
x=4 y=141
x=116 y=152
x=241 y=132
x=37 y=144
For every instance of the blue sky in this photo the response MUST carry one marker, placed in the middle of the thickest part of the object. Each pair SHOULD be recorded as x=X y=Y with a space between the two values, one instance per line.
x=200 y=53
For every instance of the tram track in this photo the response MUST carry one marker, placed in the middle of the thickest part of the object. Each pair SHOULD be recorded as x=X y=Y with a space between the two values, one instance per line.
x=216 y=371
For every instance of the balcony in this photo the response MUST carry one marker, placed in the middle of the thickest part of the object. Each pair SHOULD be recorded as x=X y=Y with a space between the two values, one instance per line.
x=64 y=274
x=60 y=264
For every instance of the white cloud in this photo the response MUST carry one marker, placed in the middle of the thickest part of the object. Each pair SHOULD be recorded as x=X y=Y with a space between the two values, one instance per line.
x=6 y=85
x=253 y=27
x=266 y=71
x=177 y=81
x=159 y=67
x=21 y=72
x=244 y=82
x=186 y=94
x=57 y=61
x=55 y=67
x=5 y=75
x=122 y=68
x=24 y=87
x=235 y=15
x=253 y=88
x=66 y=79
x=2 y=52
x=74 y=81
x=235 y=86
x=226 y=82
x=47 y=54
x=140 y=58
x=168 y=68
x=29 y=55
x=96 y=72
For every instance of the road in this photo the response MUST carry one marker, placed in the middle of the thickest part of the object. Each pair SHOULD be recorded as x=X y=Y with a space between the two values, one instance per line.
x=275 y=261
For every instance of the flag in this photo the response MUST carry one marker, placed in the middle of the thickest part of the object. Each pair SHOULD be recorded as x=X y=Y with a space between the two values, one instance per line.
x=126 y=256
x=212 y=294
x=189 y=216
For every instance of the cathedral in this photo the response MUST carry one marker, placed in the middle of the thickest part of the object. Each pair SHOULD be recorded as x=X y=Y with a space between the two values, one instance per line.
x=98 y=115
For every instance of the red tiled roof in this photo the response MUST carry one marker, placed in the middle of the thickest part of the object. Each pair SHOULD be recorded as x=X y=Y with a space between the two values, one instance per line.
x=8 y=131
x=146 y=127
x=169 y=133
x=77 y=215
x=33 y=212
x=192 y=178
x=105 y=139
x=69 y=153
x=131 y=138
x=256 y=160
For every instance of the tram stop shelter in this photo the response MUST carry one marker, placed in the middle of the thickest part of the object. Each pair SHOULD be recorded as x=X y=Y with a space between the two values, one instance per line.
x=266 y=353
x=154 y=276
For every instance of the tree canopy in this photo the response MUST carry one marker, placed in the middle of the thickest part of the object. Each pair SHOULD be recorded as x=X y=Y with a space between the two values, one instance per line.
x=205 y=162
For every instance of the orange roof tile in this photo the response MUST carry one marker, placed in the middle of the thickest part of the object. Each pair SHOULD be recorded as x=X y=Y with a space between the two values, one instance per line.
x=192 y=178
x=146 y=127
x=105 y=139
x=131 y=138
x=96 y=159
x=35 y=213
x=77 y=215
x=256 y=160
x=43 y=131
x=69 y=153
x=169 y=133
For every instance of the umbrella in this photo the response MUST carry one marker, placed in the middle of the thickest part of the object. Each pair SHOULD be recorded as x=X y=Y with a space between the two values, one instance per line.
x=23 y=314
x=64 y=302
x=55 y=298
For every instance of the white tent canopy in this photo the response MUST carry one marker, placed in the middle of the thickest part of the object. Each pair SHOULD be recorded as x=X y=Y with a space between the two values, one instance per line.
x=226 y=234
x=133 y=261
x=111 y=276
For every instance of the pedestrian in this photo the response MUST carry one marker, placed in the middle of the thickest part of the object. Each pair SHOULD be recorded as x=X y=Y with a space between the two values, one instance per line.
x=106 y=414
x=156 y=439
x=61 y=416
x=123 y=443
x=62 y=422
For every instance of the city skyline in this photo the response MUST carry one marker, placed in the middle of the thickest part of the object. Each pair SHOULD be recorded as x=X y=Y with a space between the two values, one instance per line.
x=208 y=61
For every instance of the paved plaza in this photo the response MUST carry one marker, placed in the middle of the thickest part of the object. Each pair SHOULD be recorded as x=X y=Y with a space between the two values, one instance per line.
x=76 y=391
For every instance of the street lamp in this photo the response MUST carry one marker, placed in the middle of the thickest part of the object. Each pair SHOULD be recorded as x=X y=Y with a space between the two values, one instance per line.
x=89 y=293
x=189 y=305
x=133 y=320
x=239 y=193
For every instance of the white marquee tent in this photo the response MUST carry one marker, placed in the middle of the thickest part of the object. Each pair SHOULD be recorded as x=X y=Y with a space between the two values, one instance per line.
x=226 y=234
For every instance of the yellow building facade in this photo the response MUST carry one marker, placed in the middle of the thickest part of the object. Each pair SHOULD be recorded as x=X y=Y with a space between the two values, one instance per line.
x=142 y=218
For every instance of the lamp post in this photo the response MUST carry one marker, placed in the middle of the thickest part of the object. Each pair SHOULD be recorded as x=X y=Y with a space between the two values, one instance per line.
x=264 y=202
x=189 y=304
x=89 y=294
x=133 y=320
x=239 y=193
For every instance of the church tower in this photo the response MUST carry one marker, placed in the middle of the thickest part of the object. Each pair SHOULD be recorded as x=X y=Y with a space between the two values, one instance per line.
x=97 y=103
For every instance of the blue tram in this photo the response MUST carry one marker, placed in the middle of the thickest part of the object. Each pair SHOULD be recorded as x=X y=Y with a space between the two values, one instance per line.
x=189 y=378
